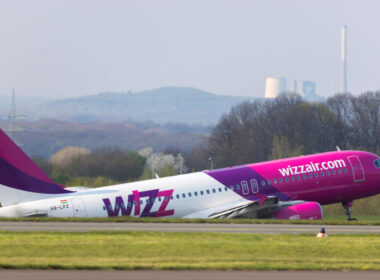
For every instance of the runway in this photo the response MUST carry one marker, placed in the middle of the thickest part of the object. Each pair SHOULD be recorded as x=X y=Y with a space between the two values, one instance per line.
x=184 y=275
x=175 y=227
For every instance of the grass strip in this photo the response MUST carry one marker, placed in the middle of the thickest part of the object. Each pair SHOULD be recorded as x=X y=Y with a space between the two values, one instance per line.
x=329 y=220
x=180 y=251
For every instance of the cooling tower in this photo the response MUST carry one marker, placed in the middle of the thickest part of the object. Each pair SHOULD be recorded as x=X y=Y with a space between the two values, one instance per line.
x=274 y=87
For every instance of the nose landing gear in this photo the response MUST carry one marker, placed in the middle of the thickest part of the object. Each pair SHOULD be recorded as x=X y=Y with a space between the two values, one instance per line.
x=347 y=208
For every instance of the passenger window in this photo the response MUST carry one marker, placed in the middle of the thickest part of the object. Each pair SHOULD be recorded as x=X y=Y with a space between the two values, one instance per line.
x=201 y=192
x=159 y=199
x=104 y=207
x=141 y=202
x=268 y=181
x=238 y=187
x=165 y=198
x=195 y=193
x=316 y=174
x=232 y=188
x=274 y=181
x=189 y=194
x=298 y=177
x=322 y=174
x=340 y=171
x=281 y=180
x=208 y=191
x=183 y=195
x=310 y=175
x=292 y=178
x=177 y=196
x=304 y=176
x=171 y=197
x=333 y=172
x=263 y=183
x=286 y=179
x=345 y=170
x=220 y=189
x=226 y=189
x=213 y=190
x=377 y=163
x=328 y=173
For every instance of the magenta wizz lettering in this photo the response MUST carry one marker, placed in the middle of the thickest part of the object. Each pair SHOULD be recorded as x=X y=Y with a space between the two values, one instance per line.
x=134 y=202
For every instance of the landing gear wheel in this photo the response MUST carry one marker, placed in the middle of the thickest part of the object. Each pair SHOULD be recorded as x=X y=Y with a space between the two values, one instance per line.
x=348 y=209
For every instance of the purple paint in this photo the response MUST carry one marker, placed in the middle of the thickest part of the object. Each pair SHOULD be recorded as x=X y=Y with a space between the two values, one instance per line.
x=134 y=200
x=234 y=176
x=12 y=154
x=12 y=177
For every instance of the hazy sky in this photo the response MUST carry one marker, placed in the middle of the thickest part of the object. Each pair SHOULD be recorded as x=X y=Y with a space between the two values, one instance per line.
x=73 y=47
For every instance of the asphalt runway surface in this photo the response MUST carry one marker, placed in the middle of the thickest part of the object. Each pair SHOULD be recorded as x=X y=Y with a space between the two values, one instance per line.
x=184 y=275
x=174 y=227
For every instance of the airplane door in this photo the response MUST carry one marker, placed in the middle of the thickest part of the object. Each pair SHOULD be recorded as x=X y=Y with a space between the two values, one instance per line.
x=357 y=169
x=78 y=207
x=255 y=186
x=244 y=186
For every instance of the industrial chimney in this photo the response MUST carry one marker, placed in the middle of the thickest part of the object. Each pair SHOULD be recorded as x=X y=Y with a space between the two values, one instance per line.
x=343 y=67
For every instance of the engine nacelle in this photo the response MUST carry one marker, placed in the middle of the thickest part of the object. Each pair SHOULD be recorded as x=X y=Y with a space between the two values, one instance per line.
x=301 y=211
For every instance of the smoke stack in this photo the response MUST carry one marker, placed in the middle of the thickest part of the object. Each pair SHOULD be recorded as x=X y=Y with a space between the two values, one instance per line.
x=343 y=69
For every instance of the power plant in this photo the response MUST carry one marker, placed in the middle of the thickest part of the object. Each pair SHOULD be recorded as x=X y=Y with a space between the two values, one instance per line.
x=275 y=86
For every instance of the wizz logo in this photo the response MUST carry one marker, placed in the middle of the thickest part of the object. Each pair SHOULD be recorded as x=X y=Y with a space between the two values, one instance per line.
x=134 y=203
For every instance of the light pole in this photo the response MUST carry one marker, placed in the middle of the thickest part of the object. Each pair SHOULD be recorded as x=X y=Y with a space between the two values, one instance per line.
x=211 y=163
x=181 y=166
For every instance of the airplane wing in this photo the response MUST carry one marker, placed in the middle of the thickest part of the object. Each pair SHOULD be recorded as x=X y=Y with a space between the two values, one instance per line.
x=251 y=209
x=267 y=208
x=239 y=209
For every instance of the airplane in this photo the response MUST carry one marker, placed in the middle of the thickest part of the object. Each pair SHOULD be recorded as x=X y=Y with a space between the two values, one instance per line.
x=291 y=188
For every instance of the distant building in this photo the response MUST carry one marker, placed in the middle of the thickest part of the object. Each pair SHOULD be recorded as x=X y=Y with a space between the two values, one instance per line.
x=274 y=87
x=303 y=88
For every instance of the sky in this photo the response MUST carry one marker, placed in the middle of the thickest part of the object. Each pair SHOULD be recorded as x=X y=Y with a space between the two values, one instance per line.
x=71 y=48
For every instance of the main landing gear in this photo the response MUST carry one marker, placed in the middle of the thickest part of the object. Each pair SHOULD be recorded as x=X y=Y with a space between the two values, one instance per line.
x=347 y=208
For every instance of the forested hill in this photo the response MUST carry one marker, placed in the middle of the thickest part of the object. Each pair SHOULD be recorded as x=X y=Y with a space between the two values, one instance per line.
x=47 y=136
x=162 y=105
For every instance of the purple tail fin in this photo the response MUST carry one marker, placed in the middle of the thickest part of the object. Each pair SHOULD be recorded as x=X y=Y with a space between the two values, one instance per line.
x=19 y=172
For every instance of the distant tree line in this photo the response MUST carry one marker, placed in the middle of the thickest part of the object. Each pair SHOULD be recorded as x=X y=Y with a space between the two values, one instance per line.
x=288 y=126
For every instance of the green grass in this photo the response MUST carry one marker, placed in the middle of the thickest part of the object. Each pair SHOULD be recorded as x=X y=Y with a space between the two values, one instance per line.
x=328 y=220
x=179 y=251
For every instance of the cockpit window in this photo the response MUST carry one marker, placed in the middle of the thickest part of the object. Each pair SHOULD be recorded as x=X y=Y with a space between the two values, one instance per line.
x=377 y=163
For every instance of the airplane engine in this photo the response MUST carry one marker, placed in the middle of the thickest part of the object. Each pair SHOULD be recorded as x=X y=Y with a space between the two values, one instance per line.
x=301 y=211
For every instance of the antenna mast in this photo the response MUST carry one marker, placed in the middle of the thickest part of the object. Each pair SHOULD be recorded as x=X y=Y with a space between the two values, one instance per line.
x=12 y=117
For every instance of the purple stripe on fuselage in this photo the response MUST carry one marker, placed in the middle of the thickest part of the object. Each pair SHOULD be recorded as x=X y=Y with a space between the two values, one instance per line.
x=12 y=177
x=235 y=175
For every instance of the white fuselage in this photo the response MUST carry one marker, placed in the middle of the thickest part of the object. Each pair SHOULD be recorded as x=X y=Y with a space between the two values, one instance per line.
x=188 y=195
